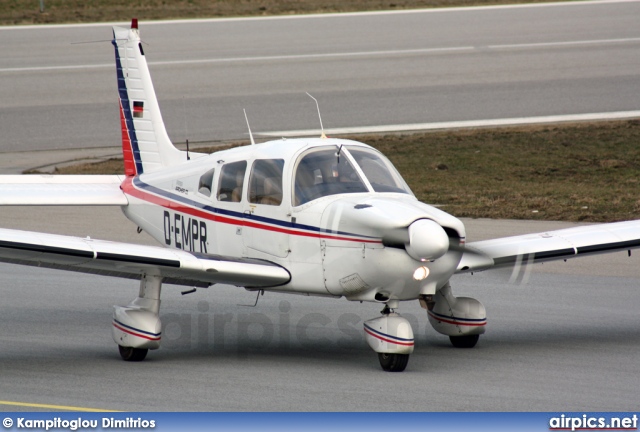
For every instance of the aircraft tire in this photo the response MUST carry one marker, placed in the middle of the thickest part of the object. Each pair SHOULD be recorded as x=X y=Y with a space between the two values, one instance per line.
x=468 y=341
x=132 y=354
x=393 y=362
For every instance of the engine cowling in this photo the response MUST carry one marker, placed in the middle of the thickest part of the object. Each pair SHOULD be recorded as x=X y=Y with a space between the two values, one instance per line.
x=456 y=316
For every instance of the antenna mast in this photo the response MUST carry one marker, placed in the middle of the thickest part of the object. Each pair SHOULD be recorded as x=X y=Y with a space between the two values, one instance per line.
x=248 y=127
x=322 y=135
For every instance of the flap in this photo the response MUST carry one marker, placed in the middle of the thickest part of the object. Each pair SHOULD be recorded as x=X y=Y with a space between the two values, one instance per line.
x=131 y=261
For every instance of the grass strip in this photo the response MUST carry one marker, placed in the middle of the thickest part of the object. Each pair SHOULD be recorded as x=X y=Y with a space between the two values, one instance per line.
x=572 y=172
x=82 y=11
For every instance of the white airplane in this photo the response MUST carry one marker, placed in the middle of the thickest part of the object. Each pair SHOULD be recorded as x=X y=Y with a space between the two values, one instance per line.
x=313 y=216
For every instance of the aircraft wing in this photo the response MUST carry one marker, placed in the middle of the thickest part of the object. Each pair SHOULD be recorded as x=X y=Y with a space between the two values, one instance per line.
x=131 y=261
x=42 y=189
x=551 y=245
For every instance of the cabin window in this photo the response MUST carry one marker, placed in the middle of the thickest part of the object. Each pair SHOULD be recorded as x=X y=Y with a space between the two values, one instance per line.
x=265 y=183
x=381 y=174
x=324 y=172
x=231 y=181
x=206 y=182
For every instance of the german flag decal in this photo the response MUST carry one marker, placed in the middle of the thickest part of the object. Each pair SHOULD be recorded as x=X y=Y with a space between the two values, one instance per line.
x=138 y=109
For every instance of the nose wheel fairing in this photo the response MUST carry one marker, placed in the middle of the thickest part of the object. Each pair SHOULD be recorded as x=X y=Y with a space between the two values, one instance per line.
x=391 y=336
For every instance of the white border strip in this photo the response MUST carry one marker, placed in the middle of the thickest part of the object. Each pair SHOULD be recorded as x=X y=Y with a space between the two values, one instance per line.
x=618 y=115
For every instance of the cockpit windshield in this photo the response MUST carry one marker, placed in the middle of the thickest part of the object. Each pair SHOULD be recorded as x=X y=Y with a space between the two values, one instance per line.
x=329 y=171
x=325 y=172
x=381 y=174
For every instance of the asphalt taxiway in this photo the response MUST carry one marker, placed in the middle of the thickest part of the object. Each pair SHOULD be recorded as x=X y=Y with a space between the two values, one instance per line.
x=567 y=339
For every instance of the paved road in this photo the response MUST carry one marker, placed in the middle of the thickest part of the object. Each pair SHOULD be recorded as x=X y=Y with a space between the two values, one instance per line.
x=365 y=69
x=567 y=340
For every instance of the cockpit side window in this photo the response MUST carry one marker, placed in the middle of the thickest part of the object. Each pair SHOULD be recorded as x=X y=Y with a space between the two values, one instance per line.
x=231 y=181
x=381 y=174
x=265 y=183
x=205 y=185
x=324 y=172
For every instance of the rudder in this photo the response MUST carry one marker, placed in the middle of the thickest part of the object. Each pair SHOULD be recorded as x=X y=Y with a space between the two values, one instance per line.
x=146 y=146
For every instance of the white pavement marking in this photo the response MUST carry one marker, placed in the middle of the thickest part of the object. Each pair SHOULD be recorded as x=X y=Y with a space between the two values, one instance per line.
x=568 y=43
x=256 y=58
x=439 y=50
x=618 y=115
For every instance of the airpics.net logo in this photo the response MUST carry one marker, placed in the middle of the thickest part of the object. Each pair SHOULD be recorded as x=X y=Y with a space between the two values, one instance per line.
x=585 y=422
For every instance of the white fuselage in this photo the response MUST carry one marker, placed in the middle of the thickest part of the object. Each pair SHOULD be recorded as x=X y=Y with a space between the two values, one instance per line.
x=336 y=244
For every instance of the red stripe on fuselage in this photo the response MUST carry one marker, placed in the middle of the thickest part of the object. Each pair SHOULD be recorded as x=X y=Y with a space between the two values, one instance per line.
x=129 y=189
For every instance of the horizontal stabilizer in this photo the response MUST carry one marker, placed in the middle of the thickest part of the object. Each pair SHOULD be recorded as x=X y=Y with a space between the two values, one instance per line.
x=96 y=190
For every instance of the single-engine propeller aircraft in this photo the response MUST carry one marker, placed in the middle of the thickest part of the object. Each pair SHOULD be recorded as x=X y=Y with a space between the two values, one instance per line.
x=313 y=216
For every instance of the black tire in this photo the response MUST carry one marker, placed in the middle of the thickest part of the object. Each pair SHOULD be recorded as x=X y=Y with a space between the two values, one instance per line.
x=393 y=362
x=464 y=341
x=132 y=354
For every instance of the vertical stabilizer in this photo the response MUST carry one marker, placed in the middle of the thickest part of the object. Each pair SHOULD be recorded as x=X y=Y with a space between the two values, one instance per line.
x=145 y=144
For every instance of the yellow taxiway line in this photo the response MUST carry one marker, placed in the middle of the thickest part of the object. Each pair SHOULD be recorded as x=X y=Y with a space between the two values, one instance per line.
x=53 y=407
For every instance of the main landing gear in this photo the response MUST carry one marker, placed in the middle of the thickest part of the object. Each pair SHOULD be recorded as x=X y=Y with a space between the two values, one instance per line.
x=391 y=337
x=137 y=327
x=463 y=319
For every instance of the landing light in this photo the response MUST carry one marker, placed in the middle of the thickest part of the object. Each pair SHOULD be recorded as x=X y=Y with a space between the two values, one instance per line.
x=421 y=273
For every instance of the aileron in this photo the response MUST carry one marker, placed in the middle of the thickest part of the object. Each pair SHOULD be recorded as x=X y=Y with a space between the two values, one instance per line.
x=552 y=245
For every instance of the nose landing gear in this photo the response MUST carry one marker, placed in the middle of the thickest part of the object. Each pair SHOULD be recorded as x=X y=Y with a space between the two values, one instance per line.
x=391 y=337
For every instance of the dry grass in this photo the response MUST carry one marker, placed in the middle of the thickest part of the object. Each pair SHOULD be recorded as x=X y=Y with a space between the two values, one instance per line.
x=72 y=11
x=566 y=172
x=576 y=172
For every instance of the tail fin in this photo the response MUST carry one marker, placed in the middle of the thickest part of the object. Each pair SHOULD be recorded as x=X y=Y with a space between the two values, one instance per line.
x=145 y=143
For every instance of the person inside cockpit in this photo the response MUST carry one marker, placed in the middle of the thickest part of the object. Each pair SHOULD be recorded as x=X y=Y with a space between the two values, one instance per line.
x=324 y=172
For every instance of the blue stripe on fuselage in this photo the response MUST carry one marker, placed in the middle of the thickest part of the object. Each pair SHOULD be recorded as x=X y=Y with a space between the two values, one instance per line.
x=240 y=215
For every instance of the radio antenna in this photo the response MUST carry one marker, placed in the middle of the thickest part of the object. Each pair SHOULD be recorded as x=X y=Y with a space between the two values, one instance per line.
x=248 y=127
x=322 y=135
